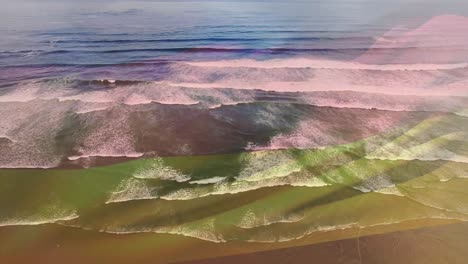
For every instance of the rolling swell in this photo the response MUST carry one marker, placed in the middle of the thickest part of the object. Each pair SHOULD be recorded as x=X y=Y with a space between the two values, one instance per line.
x=350 y=160
x=243 y=216
x=154 y=128
x=146 y=119
x=309 y=51
x=177 y=40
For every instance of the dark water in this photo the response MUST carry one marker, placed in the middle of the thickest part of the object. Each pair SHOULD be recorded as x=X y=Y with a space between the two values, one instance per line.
x=63 y=38
x=89 y=33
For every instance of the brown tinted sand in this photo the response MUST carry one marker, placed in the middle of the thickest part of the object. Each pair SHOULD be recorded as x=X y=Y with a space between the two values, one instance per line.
x=441 y=243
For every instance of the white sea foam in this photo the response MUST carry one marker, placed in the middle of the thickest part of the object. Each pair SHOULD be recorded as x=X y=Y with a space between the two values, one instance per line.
x=7 y=138
x=33 y=125
x=106 y=155
x=209 y=180
x=252 y=220
x=390 y=190
x=324 y=64
x=264 y=165
x=270 y=237
x=156 y=169
x=26 y=93
x=57 y=215
x=136 y=99
x=342 y=82
x=239 y=186
x=132 y=189
x=203 y=229
x=89 y=110
x=463 y=112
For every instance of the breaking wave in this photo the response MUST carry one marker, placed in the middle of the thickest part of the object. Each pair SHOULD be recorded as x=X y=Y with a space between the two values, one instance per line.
x=54 y=215
x=324 y=64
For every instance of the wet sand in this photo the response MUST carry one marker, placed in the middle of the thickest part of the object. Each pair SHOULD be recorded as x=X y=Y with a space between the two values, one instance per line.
x=53 y=243
x=441 y=244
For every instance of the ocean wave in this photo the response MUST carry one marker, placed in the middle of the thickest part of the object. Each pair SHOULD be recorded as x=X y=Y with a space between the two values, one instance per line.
x=90 y=141
x=390 y=190
x=59 y=216
x=106 y=155
x=212 y=39
x=207 y=230
x=263 y=165
x=137 y=189
x=103 y=93
x=208 y=181
x=249 y=179
x=401 y=82
x=7 y=138
x=203 y=230
x=311 y=224
x=290 y=219
x=177 y=78
x=217 y=50
x=275 y=238
x=462 y=112
x=259 y=225
x=139 y=100
x=353 y=49
x=432 y=150
x=252 y=220
x=131 y=190
x=91 y=109
x=324 y=64
x=156 y=169
x=348 y=226
x=240 y=186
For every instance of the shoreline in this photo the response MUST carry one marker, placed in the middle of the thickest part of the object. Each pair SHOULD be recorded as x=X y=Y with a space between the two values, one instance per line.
x=52 y=243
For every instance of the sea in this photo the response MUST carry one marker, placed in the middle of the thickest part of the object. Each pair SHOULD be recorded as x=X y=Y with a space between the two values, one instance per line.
x=167 y=131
